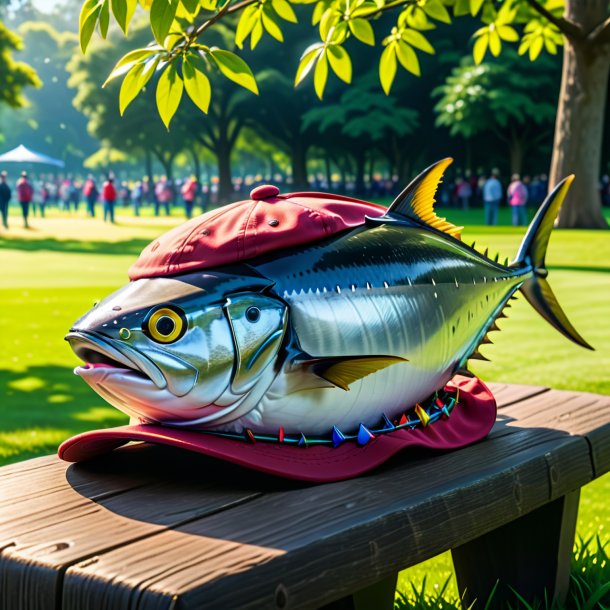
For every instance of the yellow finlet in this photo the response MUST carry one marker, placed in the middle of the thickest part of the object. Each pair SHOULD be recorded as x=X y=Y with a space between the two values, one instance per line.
x=418 y=199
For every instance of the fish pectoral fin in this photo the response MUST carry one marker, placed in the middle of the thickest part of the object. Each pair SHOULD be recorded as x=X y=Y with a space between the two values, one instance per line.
x=343 y=371
x=418 y=199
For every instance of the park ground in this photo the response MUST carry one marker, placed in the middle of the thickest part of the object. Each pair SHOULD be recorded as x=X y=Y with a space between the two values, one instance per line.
x=54 y=272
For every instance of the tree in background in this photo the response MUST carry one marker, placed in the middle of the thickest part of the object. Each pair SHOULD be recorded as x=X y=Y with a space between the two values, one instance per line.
x=366 y=119
x=515 y=100
x=49 y=121
x=180 y=29
x=16 y=75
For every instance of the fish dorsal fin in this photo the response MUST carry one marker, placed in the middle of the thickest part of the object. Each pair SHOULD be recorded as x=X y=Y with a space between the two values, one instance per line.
x=417 y=200
x=344 y=371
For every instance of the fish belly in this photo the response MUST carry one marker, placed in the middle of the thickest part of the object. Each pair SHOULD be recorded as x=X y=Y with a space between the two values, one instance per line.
x=432 y=326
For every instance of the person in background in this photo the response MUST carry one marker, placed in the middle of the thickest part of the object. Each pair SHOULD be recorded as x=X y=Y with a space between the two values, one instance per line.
x=44 y=197
x=464 y=193
x=137 y=196
x=109 y=199
x=25 y=194
x=517 y=199
x=125 y=193
x=91 y=194
x=189 y=192
x=163 y=196
x=5 y=197
x=492 y=195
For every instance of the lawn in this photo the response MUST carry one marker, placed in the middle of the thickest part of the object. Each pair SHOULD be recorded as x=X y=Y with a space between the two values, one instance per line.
x=54 y=273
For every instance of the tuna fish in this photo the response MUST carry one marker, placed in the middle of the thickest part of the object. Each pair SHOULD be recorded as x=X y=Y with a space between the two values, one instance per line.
x=321 y=336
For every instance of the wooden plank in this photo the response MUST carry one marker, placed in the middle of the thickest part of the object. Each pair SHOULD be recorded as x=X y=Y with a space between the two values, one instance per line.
x=409 y=510
x=507 y=394
x=321 y=543
x=73 y=516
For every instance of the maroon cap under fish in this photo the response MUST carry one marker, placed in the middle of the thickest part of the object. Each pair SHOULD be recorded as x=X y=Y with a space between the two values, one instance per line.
x=471 y=420
x=246 y=229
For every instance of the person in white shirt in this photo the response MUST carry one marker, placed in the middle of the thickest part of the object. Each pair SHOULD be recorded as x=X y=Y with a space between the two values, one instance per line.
x=492 y=195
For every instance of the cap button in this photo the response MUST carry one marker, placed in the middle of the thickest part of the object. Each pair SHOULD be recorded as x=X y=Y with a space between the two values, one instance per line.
x=264 y=191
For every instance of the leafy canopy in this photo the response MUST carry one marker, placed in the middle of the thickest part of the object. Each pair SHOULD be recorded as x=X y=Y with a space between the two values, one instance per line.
x=185 y=62
x=494 y=96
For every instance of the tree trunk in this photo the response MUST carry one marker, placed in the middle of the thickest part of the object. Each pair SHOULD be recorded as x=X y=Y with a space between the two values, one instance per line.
x=580 y=119
x=149 y=173
x=329 y=173
x=299 y=165
x=360 y=187
x=516 y=151
x=196 y=164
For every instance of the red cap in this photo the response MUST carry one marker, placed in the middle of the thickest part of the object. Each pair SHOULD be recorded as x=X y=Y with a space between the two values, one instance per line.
x=470 y=421
x=246 y=229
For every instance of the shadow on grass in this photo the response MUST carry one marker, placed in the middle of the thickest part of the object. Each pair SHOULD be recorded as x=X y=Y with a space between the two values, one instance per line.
x=589 y=587
x=43 y=405
x=127 y=247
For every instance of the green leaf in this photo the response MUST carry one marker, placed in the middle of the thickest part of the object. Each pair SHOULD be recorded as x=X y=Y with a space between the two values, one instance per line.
x=480 y=48
x=87 y=22
x=436 y=9
x=475 y=6
x=130 y=87
x=507 y=33
x=197 y=85
x=387 y=67
x=105 y=18
x=284 y=10
x=162 y=13
x=307 y=62
x=128 y=60
x=123 y=11
x=408 y=58
x=340 y=62
x=495 y=44
x=257 y=32
x=417 y=40
x=536 y=47
x=461 y=8
x=272 y=27
x=169 y=94
x=328 y=21
x=234 y=68
x=246 y=23
x=320 y=75
x=550 y=46
x=362 y=30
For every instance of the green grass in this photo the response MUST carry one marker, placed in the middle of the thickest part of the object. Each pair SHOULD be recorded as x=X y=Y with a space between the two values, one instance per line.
x=54 y=272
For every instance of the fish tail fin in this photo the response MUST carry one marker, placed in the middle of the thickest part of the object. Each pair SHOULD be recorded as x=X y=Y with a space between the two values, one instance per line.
x=532 y=253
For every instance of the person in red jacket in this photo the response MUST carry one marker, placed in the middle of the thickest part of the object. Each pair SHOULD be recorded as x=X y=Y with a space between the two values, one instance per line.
x=25 y=194
x=109 y=198
x=189 y=194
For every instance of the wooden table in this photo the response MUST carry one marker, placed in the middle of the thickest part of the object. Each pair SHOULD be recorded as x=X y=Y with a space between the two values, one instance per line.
x=154 y=527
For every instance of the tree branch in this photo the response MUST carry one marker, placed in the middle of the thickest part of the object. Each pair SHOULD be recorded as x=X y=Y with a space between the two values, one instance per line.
x=567 y=28
x=600 y=34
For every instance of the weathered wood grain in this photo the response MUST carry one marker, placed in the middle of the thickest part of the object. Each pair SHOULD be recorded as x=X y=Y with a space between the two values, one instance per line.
x=154 y=527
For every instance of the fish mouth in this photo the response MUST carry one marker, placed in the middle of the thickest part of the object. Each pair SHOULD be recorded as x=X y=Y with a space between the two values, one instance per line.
x=101 y=357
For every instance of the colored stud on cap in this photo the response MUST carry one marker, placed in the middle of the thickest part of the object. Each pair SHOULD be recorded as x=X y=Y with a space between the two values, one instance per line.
x=424 y=418
x=302 y=441
x=338 y=436
x=387 y=424
x=364 y=435
x=264 y=191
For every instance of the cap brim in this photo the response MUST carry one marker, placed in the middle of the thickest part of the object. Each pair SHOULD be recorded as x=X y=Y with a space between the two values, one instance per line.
x=470 y=421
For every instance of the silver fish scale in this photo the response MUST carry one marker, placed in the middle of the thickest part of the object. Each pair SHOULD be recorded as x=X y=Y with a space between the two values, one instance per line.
x=391 y=290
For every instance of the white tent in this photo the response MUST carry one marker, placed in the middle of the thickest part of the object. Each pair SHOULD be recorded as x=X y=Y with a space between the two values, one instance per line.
x=21 y=154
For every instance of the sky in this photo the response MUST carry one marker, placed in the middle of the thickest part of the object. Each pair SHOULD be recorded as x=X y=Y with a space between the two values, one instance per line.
x=45 y=5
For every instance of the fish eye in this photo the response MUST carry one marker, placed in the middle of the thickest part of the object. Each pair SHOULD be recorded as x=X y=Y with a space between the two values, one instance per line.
x=165 y=324
x=253 y=314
